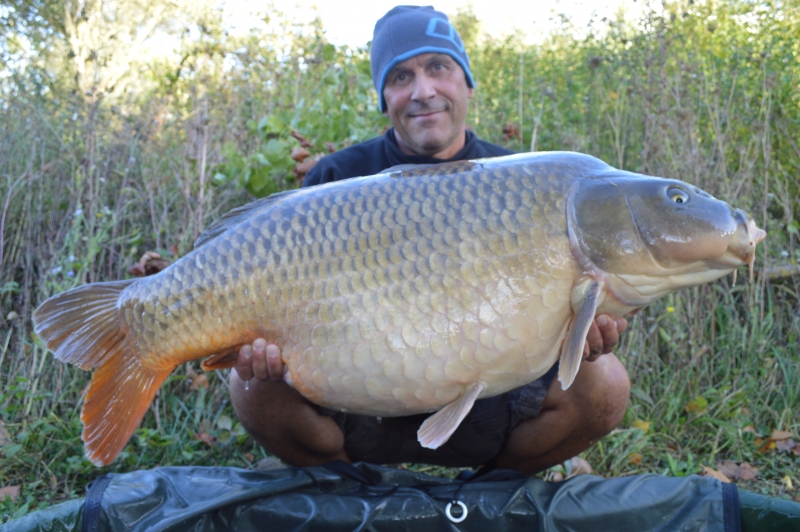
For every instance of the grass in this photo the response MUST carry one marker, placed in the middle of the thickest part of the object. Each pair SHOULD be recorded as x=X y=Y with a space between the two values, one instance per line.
x=713 y=369
x=699 y=407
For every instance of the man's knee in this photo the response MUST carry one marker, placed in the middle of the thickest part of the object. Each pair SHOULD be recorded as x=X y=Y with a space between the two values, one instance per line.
x=609 y=393
x=597 y=399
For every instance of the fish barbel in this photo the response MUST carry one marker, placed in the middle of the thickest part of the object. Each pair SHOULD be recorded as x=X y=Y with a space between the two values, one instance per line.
x=416 y=290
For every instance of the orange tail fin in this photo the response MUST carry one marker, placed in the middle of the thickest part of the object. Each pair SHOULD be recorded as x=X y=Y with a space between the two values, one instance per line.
x=82 y=327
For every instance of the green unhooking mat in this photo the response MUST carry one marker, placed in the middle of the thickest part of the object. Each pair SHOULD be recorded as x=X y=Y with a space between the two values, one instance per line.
x=339 y=496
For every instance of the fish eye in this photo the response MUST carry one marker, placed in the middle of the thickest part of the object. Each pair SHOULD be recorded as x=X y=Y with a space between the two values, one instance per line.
x=677 y=195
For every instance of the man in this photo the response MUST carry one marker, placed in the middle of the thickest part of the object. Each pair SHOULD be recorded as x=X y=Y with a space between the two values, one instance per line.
x=422 y=75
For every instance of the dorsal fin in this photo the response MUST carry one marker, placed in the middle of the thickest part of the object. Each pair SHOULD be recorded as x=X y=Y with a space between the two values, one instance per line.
x=442 y=168
x=236 y=216
x=402 y=167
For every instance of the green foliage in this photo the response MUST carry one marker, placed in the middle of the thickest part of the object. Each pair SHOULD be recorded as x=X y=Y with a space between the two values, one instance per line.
x=332 y=106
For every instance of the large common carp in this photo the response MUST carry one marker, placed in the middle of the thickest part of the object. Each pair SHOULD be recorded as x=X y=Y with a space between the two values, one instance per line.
x=416 y=290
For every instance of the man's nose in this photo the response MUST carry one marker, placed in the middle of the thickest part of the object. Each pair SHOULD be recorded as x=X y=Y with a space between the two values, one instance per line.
x=423 y=88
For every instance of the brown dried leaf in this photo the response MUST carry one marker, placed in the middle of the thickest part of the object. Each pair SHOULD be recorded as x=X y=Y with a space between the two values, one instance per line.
x=330 y=146
x=730 y=469
x=635 y=459
x=150 y=263
x=786 y=445
x=698 y=405
x=713 y=473
x=796 y=450
x=510 y=131
x=9 y=491
x=300 y=154
x=579 y=467
x=301 y=169
x=748 y=472
x=750 y=428
x=206 y=438
x=136 y=270
x=201 y=381
x=174 y=250
x=304 y=142
x=642 y=425
x=768 y=446
x=778 y=435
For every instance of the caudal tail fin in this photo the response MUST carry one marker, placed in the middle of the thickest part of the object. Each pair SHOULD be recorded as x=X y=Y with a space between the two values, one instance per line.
x=82 y=326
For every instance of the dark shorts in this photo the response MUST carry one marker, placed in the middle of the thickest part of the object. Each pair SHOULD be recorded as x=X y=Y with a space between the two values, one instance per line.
x=479 y=438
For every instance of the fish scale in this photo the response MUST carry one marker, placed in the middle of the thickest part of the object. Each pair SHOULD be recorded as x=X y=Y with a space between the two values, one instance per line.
x=416 y=290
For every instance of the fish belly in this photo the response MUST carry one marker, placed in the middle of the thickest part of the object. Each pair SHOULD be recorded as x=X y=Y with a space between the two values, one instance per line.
x=387 y=295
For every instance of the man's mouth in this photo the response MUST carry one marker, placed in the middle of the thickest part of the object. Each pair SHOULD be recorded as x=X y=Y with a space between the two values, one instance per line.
x=425 y=114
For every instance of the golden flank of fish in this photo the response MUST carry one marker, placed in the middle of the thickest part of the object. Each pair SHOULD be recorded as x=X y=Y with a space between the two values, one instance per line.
x=416 y=290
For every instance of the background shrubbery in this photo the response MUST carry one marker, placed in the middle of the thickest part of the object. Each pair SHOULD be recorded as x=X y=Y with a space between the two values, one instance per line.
x=105 y=155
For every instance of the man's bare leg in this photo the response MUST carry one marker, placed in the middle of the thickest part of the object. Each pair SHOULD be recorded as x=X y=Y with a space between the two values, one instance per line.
x=285 y=423
x=571 y=421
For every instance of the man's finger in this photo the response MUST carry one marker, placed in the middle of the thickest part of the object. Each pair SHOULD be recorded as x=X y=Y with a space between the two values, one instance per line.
x=594 y=343
x=244 y=365
x=274 y=362
x=608 y=330
x=622 y=325
x=260 y=370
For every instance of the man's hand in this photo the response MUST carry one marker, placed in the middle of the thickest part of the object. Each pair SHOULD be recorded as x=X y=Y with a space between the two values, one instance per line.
x=603 y=336
x=262 y=360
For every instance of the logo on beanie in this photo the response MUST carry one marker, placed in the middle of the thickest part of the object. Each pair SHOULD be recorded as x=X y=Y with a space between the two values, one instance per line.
x=439 y=27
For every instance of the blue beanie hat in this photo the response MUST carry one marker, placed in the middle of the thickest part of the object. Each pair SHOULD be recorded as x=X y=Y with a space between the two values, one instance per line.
x=407 y=31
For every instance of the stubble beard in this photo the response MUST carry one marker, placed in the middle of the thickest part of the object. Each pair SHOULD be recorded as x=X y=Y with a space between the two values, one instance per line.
x=430 y=147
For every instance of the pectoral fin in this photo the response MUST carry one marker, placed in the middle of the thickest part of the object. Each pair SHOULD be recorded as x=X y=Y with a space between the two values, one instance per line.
x=572 y=351
x=438 y=428
x=226 y=359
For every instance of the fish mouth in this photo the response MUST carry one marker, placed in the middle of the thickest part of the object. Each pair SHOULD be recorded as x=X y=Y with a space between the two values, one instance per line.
x=742 y=246
x=639 y=290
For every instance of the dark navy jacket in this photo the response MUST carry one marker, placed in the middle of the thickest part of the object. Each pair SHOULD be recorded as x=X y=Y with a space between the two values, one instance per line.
x=373 y=156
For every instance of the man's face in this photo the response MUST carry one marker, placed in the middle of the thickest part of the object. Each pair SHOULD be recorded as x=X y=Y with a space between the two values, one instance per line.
x=427 y=98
